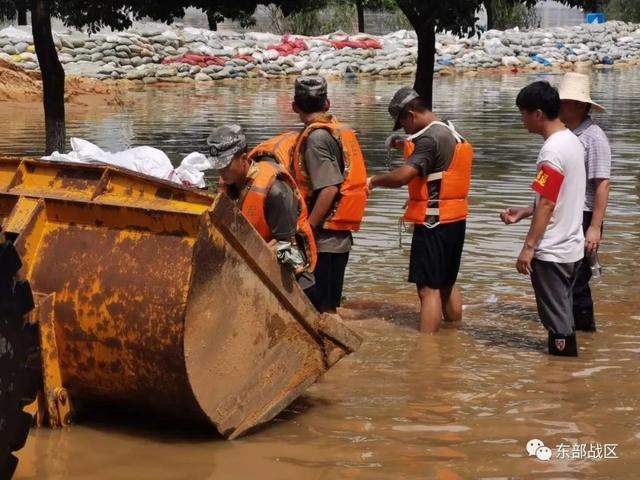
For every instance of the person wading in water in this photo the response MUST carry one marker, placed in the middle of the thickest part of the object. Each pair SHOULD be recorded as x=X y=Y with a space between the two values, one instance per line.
x=438 y=173
x=576 y=104
x=554 y=246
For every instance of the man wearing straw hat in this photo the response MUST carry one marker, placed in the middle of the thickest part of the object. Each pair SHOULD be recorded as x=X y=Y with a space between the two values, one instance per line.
x=576 y=105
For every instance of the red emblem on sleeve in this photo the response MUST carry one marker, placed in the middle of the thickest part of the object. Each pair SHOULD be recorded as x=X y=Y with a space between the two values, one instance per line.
x=548 y=183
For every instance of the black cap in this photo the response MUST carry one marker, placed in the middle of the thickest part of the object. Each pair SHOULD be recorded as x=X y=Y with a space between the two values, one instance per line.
x=400 y=100
x=224 y=143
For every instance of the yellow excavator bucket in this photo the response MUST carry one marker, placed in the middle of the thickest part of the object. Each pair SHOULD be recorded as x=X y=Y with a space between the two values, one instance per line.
x=157 y=298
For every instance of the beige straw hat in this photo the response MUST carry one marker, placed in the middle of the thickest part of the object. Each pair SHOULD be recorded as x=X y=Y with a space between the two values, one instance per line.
x=575 y=86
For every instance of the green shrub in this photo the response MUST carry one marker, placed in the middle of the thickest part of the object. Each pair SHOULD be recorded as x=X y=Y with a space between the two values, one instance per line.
x=626 y=10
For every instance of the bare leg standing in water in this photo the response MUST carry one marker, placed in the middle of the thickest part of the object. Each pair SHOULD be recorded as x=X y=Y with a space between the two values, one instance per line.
x=436 y=305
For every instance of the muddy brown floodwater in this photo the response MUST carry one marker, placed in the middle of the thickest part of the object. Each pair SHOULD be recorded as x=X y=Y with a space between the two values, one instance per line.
x=461 y=404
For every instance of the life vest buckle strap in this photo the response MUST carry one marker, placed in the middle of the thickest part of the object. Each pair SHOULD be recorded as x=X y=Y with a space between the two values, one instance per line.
x=459 y=138
x=431 y=225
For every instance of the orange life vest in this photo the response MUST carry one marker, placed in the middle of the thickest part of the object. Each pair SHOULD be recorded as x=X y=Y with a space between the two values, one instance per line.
x=348 y=210
x=279 y=148
x=253 y=202
x=451 y=203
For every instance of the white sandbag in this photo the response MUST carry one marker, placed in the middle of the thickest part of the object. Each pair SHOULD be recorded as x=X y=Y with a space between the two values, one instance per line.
x=71 y=157
x=191 y=169
x=145 y=160
x=16 y=34
x=511 y=61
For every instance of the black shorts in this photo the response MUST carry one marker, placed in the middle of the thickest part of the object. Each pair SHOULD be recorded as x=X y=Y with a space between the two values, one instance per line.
x=326 y=294
x=436 y=254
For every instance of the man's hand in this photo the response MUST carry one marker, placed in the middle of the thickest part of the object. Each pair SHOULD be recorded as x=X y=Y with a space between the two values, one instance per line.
x=523 y=265
x=324 y=202
x=395 y=140
x=272 y=245
x=369 y=185
x=513 y=214
x=592 y=240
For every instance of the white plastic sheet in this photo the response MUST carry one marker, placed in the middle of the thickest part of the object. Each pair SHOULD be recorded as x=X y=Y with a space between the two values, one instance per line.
x=146 y=160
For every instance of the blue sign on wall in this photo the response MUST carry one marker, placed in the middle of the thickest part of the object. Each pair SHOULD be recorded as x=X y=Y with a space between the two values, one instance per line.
x=595 y=17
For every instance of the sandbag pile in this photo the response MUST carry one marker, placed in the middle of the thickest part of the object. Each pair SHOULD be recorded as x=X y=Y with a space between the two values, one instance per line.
x=156 y=53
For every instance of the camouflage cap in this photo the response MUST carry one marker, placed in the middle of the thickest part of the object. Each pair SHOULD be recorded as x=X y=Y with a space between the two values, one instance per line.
x=400 y=100
x=310 y=86
x=224 y=143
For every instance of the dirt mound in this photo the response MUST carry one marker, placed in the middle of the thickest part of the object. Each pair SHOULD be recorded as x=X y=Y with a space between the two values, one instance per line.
x=16 y=85
x=80 y=90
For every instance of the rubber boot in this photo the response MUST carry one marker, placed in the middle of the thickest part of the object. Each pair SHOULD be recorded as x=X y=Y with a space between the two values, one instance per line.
x=563 y=345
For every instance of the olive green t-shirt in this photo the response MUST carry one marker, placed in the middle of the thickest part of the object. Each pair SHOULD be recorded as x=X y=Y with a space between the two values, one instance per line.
x=324 y=163
x=434 y=151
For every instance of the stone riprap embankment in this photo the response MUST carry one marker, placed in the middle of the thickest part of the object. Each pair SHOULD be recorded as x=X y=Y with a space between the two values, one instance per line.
x=156 y=53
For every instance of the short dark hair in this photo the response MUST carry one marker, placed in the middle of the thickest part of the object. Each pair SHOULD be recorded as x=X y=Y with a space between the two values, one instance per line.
x=310 y=104
x=540 y=96
x=418 y=104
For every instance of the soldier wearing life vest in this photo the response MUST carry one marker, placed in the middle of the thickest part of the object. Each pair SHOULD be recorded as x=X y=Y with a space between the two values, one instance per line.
x=267 y=196
x=329 y=169
x=437 y=171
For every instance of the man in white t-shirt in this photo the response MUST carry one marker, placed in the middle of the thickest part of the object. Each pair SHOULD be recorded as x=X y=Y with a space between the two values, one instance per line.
x=554 y=246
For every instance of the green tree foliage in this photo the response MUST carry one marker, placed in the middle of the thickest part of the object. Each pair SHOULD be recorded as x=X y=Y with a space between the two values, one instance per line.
x=316 y=18
x=361 y=5
x=626 y=10
x=429 y=16
x=503 y=14
x=320 y=17
x=11 y=9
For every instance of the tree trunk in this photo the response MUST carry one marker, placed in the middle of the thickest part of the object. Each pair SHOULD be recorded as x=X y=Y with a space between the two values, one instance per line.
x=211 y=17
x=360 y=10
x=426 y=32
x=426 y=60
x=52 y=76
x=22 y=13
x=490 y=8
